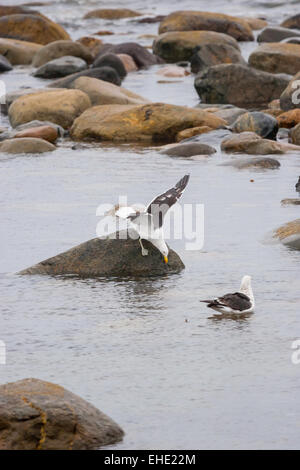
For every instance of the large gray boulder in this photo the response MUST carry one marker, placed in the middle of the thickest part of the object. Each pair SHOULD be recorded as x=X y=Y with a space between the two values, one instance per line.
x=109 y=257
x=38 y=415
x=252 y=88
x=61 y=67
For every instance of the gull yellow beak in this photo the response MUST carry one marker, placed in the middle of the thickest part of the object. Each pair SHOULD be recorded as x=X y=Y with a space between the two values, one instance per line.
x=166 y=259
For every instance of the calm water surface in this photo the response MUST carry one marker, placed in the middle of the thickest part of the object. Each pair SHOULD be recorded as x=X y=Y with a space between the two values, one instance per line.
x=146 y=352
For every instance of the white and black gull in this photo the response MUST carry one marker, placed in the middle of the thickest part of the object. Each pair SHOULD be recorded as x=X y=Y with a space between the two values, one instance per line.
x=240 y=302
x=148 y=220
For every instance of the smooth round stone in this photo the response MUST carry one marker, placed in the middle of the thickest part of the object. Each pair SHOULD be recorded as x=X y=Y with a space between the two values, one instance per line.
x=262 y=124
x=61 y=67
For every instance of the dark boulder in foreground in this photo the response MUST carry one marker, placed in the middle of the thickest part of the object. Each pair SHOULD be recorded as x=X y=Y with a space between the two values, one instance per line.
x=109 y=257
x=37 y=415
x=289 y=234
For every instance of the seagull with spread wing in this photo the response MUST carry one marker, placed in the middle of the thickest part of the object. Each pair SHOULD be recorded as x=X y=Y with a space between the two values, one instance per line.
x=238 y=302
x=148 y=221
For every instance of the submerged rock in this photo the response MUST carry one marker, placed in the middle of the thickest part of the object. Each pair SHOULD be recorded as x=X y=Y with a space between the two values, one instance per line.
x=208 y=55
x=276 y=58
x=61 y=67
x=18 y=52
x=155 y=122
x=62 y=48
x=262 y=124
x=112 y=13
x=26 y=145
x=250 y=143
x=180 y=45
x=39 y=415
x=252 y=88
x=187 y=149
x=290 y=202
x=199 y=21
x=60 y=107
x=32 y=28
x=289 y=234
x=173 y=71
x=265 y=163
x=109 y=257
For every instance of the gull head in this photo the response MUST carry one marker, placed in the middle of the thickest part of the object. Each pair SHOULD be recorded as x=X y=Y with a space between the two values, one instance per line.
x=165 y=253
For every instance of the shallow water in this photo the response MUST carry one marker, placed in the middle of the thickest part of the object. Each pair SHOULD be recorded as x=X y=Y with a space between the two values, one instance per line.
x=146 y=352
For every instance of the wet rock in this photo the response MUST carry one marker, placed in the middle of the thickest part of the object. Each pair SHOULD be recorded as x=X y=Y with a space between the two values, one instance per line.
x=26 y=145
x=262 y=124
x=295 y=135
x=112 y=13
x=141 y=56
x=48 y=133
x=103 y=93
x=5 y=65
x=252 y=88
x=293 y=22
x=290 y=202
x=230 y=115
x=191 y=132
x=255 y=23
x=61 y=67
x=113 y=61
x=18 y=52
x=250 y=143
x=35 y=415
x=207 y=55
x=276 y=58
x=60 y=131
x=93 y=45
x=58 y=49
x=199 y=21
x=32 y=28
x=104 y=33
x=289 y=119
x=151 y=19
x=177 y=46
x=6 y=10
x=275 y=34
x=266 y=163
x=107 y=74
x=128 y=62
x=109 y=257
x=172 y=71
x=60 y=107
x=187 y=150
x=290 y=97
x=14 y=95
x=289 y=234
x=157 y=122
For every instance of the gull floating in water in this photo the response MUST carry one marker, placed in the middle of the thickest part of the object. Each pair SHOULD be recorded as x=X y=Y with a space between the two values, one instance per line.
x=147 y=221
x=239 y=302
